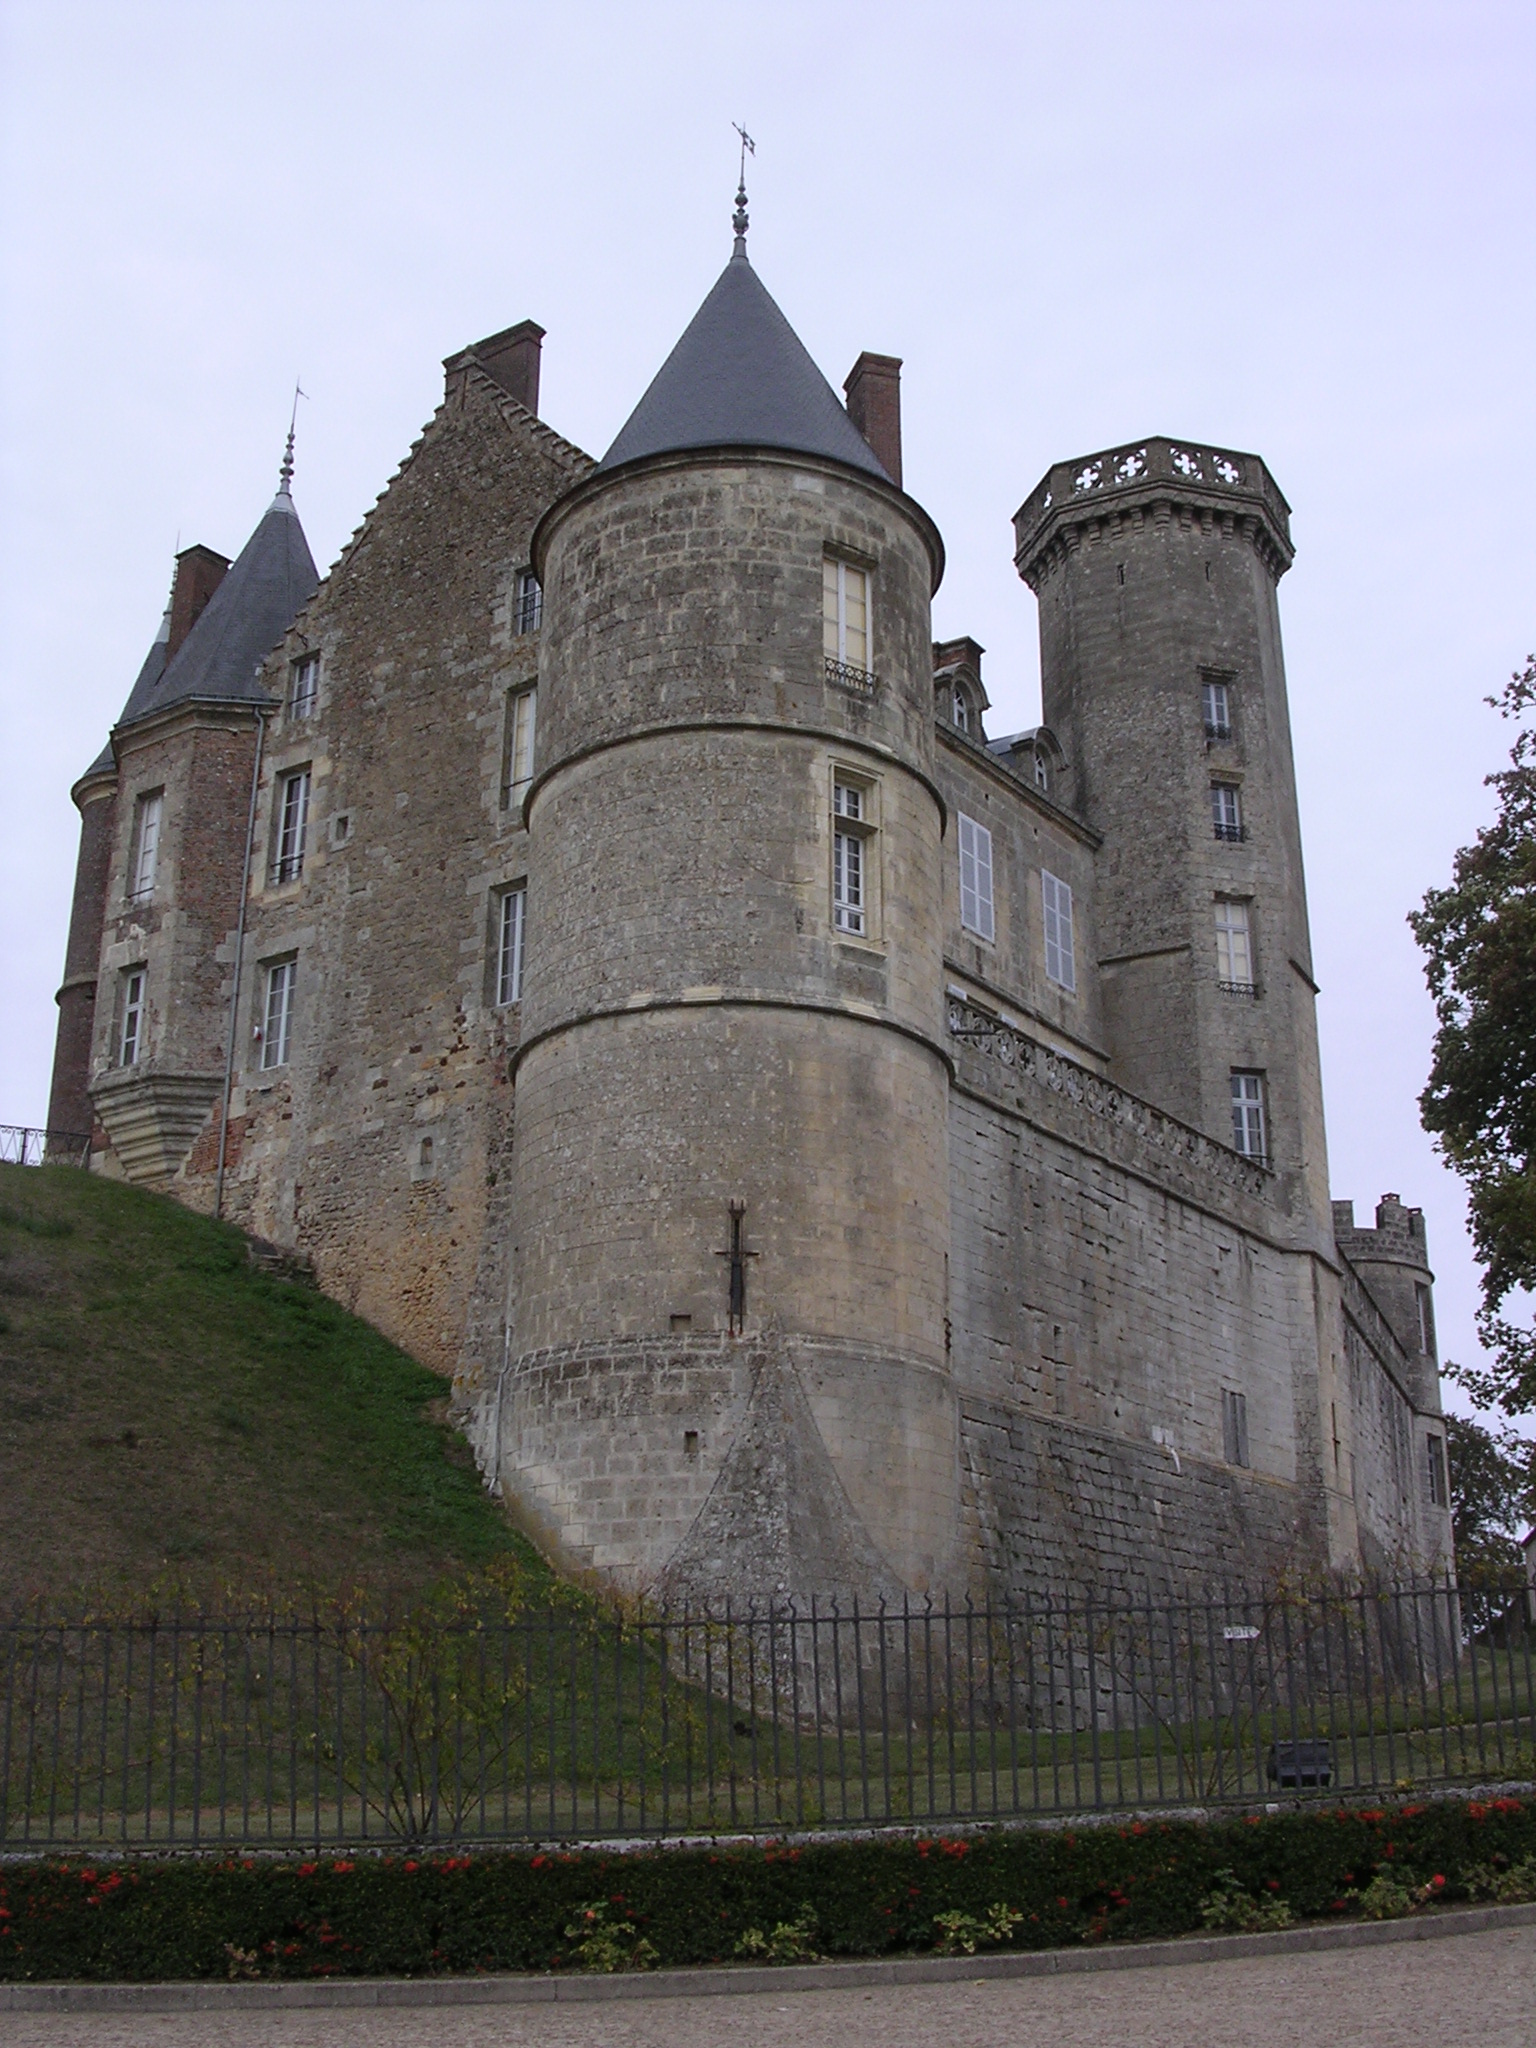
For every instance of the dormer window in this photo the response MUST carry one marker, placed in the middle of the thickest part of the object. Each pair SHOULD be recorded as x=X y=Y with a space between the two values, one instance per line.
x=962 y=712
x=1042 y=773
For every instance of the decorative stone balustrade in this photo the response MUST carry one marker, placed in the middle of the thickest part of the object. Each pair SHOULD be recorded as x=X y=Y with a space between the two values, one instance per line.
x=1154 y=478
x=1036 y=1066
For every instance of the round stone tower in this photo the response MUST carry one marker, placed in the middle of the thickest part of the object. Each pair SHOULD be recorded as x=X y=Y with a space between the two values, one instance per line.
x=726 y=1352
x=1156 y=569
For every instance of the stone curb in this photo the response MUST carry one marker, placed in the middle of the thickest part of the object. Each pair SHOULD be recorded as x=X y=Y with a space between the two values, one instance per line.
x=338 y=1993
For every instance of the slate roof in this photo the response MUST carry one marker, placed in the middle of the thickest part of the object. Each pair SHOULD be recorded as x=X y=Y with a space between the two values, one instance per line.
x=261 y=594
x=741 y=376
x=148 y=676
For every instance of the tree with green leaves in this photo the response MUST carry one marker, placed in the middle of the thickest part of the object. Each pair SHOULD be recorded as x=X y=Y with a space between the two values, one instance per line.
x=1479 y=941
x=1493 y=1497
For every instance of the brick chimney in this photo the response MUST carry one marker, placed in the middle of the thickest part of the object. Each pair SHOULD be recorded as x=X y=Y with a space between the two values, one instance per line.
x=199 y=572
x=873 y=386
x=510 y=358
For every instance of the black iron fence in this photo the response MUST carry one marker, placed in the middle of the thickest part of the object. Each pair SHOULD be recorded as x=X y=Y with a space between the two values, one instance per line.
x=30 y=1145
x=577 y=1724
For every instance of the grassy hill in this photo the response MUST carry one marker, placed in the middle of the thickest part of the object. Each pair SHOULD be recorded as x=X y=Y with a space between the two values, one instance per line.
x=169 y=1412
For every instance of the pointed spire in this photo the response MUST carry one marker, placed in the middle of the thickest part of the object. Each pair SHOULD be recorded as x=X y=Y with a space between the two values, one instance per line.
x=740 y=377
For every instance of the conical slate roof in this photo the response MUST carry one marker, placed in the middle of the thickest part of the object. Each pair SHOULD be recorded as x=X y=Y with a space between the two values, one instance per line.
x=740 y=377
x=260 y=596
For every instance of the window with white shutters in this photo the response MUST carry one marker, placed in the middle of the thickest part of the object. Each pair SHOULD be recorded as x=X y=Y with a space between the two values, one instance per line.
x=130 y=1040
x=850 y=857
x=517 y=753
x=304 y=686
x=976 y=912
x=1234 y=948
x=1249 y=1135
x=292 y=826
x=1060 y=959
x=511 y=922
x=277 y=1014
x=845 y=614
x=145 y=862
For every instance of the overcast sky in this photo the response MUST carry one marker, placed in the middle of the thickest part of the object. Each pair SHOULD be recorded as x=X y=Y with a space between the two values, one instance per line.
x=1304 y=230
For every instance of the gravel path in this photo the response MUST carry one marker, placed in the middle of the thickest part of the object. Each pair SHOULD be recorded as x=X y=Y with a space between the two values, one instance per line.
x=1476 y=1991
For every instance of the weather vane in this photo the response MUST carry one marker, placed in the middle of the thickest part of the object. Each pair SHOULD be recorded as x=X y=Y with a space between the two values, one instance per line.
x=285 y=474
x=739 y=218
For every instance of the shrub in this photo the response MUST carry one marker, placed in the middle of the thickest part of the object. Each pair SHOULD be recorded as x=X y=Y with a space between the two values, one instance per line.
x=963 y=1934
x=1230 y=1908
x=791 y=1941
x=607 y=1945
x=1505 y=1883
x=394 y=1914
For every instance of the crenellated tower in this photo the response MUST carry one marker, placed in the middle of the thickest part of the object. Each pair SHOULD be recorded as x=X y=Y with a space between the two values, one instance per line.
x=1156 y=568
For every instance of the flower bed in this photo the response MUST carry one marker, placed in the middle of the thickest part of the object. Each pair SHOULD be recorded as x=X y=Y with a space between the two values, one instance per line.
x=242 y=1916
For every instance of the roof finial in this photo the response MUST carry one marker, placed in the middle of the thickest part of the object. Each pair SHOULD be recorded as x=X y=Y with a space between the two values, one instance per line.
x=285 y=473
x=739 y=218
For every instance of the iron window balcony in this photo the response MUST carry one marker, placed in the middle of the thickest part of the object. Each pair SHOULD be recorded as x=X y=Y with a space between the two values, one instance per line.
x=1225 y=830
x=1248 y=989
x=847 y=676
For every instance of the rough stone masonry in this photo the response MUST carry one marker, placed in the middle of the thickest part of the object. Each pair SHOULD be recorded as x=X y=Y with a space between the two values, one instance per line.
x=832 y=1150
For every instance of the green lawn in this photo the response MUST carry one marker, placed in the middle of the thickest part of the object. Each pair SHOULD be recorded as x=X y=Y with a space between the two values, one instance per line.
x=172 y=1416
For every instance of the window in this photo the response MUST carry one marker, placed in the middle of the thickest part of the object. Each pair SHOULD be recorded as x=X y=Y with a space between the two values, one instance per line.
x=517 y=753
x=962 y=712
x=277 y=1030
x=145 y=858
x=130 y=1041
x=1060 y=964
x=292 y=826
x=976 y=878
x=1216 y=702
x=851 y=832
x=1439 y=1495
x=1234 y=1427
x=1423 y=1302
x=1042 y=773
x=511 y=920
x=1248 y=1133
x=304 y=686
x=845 y=614
x=1234 y=948
x=1226 y=811
x=528 y=604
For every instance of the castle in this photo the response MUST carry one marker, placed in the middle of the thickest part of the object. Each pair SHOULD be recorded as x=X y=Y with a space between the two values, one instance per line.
x=833 y=1150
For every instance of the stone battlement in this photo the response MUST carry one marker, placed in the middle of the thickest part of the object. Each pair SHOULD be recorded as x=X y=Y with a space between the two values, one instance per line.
x=1169 y=479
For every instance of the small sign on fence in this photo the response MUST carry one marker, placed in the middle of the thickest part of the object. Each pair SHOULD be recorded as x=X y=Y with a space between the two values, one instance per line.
x=1240 y=1635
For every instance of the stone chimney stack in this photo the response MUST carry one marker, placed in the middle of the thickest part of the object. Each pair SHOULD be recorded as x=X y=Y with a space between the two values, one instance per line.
x=873 y=386
x=510 y=358
x=199 y=572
